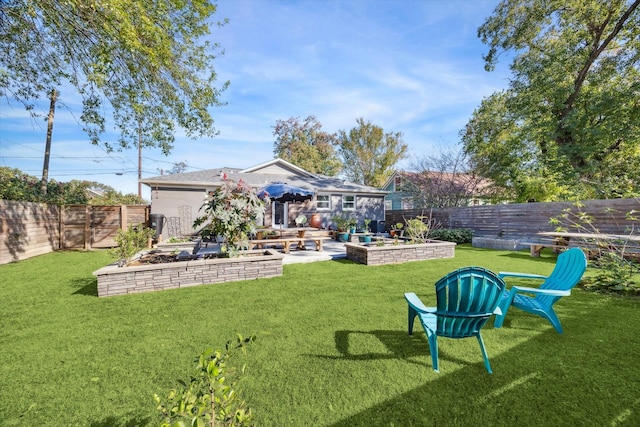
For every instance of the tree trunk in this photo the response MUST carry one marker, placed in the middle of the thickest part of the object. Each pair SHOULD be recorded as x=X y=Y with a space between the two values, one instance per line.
x=47 y=149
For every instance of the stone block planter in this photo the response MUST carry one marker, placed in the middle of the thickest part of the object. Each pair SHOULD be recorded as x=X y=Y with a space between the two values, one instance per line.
x=371 y=254
x=114 y=280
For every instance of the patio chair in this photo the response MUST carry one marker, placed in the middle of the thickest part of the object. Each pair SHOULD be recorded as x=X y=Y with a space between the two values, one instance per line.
x=568 y=271
x=465 y=299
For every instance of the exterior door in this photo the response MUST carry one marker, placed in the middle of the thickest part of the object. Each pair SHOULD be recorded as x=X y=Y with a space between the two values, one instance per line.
x=279 y=214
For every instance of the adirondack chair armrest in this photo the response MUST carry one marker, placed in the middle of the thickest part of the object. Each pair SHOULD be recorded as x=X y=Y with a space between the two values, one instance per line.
x=414 y=301
x=550 y=292
x=504 y=274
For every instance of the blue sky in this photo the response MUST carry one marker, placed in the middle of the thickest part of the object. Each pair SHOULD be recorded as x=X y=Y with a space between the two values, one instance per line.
x=408 y=66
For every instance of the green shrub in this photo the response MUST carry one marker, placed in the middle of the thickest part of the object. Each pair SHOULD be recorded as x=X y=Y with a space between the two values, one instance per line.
x=456 y=235
x=131 y=241
x=614 y=273
x=210 y=397
x=417 y=230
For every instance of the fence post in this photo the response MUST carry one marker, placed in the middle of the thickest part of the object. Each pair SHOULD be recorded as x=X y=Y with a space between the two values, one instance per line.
x=61 y=241
x=87 y=227
x=123 y=217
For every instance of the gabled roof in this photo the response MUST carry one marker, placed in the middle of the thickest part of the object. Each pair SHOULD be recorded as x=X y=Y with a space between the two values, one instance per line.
x=481 y=187
x=277 y=165
x=276 y=170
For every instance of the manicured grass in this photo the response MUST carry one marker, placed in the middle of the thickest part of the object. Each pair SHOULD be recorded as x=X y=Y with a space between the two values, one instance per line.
x=331 y=349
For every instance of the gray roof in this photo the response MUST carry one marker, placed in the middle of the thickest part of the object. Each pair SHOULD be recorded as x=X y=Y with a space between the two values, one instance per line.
x=290 y=174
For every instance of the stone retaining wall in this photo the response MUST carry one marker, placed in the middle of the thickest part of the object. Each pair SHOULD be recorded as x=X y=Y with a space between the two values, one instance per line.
x=396 y=254
x=501 y=243
x=114 y=280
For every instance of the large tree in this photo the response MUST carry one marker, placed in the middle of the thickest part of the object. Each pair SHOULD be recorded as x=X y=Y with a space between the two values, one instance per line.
x=305 y=144
x=568 y=126
x=145 y=61
x=369 y=155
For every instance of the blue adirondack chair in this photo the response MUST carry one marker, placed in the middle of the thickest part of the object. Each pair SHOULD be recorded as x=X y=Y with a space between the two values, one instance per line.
x=568 y=271
x=465 y=299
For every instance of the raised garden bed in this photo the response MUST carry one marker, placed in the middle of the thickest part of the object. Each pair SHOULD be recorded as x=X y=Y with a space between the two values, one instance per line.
x=153 y=276
x=191 y=245
x=397 y=253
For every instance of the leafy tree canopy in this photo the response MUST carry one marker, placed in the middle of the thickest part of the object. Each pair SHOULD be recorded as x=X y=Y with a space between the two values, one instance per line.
x=369 y=155
x=568 y=126
x=305 y=144
x=148 y=60
x=18 y=186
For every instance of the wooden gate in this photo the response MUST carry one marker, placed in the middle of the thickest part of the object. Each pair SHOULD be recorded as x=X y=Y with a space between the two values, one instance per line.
x=86 y=226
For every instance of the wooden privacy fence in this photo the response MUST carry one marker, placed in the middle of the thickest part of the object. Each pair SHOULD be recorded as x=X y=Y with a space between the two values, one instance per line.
x=525 y=219
x=30 y=229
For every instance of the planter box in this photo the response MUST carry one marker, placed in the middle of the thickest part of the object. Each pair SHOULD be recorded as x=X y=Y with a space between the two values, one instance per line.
x=114 y=280
x=191 y=246
x=370 y=254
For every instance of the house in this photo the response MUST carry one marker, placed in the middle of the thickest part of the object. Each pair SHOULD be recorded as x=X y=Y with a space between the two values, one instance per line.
x=179 y=196
x=416 y=190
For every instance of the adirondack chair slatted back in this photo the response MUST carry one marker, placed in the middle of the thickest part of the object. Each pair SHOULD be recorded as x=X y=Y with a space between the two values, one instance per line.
x=568 y=271
x=466 y=298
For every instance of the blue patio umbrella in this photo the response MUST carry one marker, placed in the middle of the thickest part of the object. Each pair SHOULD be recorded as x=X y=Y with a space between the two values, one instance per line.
x=281 y=192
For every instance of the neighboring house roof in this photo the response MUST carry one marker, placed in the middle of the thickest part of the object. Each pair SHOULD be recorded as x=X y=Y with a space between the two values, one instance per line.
x=276 y=170
x=482 y=186
x=93 y=193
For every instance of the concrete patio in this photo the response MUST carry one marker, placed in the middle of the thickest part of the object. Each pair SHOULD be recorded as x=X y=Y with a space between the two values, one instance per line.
x=331 y=249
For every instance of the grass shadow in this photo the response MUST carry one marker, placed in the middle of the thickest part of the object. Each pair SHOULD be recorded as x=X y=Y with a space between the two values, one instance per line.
x=526 y=255
x=85 y=286
x=542 y=377
x=343 y=261
x=112 y=421
x=397 y=344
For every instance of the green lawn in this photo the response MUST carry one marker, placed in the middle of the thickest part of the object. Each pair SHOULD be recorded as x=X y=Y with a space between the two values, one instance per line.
x=331 y=349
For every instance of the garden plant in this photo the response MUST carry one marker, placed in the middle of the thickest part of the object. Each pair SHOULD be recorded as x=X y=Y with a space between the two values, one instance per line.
x=231 y=211
x=616 y=265
x=131 y=241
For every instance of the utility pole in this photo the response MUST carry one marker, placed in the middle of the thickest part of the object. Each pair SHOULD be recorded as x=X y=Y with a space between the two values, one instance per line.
x=139 y=160
x=47 y=148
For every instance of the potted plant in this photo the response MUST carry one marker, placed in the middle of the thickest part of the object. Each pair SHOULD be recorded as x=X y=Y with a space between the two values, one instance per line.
x=342 y=224
x=352 y=225
x=365 y=238
x=396 y=229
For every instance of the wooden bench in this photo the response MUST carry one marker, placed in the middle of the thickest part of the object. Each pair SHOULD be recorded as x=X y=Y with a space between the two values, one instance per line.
x=537 y=247
x=287 y=242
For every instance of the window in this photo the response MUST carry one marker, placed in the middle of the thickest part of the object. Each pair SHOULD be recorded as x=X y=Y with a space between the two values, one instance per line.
x=397 y=182
x=323 y=201
x=388 y=205
x=407 y=203
x=348 y=203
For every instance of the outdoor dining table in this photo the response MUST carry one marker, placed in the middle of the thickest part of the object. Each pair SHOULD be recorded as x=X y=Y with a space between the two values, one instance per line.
x=595 y=242
x=595 y=236
x=300 y=232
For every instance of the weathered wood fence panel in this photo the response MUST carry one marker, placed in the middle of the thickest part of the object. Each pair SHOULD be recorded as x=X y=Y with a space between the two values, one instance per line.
x=27 y=230
x=30 y=229
x=524 y=219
